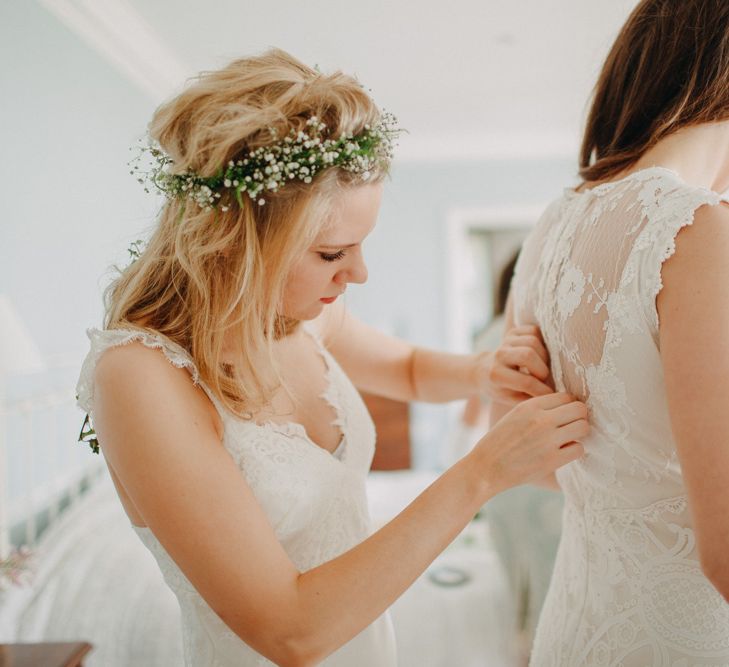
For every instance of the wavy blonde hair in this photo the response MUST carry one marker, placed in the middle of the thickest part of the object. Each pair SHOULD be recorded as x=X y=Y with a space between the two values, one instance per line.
x=207 y=275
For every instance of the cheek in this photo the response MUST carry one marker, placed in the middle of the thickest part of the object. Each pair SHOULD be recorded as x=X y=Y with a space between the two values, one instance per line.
x=308 y=281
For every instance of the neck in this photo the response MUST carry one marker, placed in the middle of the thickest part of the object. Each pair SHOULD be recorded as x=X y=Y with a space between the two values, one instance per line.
x=699 y=154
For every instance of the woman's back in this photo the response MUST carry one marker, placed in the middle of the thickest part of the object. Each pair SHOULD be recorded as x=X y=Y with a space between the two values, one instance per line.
x=628 y=587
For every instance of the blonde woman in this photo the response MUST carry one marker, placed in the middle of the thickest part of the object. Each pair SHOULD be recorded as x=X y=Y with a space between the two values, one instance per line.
x=222 y=390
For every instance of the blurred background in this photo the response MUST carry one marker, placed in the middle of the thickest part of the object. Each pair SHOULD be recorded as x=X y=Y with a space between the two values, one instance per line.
x=493 y=95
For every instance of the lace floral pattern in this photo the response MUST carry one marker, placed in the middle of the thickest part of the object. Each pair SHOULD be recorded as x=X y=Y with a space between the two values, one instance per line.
x=627 y=588
x=315 y=502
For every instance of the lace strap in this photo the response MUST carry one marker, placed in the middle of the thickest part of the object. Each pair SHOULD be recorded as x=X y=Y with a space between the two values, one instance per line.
x=658 y=241
x=102 y=340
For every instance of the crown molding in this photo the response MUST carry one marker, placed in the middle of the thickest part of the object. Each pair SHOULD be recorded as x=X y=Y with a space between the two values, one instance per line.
x=117 y=32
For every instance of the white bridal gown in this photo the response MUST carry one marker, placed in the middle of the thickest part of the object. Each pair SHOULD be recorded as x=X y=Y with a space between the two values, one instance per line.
x=627 y=588
x=314 y=500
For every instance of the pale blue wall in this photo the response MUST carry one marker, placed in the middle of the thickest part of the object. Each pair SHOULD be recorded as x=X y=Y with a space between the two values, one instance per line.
x=69 y=206
x=67 y=119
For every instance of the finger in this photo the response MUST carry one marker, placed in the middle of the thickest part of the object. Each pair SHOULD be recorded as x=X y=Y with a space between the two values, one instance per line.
x=550 y=401
x=565 y=414
x=511 y=398
x=570 y=452
x=574 y=431
x=524 y=357
x=523 y=383
x=525 y=329
x=533 y=342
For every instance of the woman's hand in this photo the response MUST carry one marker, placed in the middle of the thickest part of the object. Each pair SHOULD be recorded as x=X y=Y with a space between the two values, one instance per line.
x=532 y=440
x=518 y=369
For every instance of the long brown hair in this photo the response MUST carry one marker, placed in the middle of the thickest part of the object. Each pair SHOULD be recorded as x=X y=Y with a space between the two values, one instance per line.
x=668 y=69
x=207 y=275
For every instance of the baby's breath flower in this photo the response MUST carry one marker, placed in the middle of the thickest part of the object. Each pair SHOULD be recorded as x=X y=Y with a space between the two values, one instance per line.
x=299 y=155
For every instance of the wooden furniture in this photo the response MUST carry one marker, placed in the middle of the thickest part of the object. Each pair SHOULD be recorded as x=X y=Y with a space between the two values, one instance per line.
x=66 y=654
x=392 y=421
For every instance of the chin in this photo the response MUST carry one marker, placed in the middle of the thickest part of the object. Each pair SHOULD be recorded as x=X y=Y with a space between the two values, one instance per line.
x=304 y=314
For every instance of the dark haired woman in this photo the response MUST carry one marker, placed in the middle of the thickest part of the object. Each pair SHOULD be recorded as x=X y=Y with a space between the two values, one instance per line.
x=628 y=277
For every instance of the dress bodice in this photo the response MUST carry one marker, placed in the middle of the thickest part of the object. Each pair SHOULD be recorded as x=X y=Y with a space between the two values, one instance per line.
x=315 y=501
x=627 y=588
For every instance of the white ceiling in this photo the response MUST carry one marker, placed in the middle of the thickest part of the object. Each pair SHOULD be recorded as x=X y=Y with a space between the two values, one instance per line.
x=467 y=78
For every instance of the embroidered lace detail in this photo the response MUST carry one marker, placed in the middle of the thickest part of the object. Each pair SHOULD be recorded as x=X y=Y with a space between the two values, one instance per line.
x=315 y=502
x=627 y=589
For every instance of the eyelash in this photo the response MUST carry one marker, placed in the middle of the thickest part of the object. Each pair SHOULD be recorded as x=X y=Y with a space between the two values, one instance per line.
x=333 y=257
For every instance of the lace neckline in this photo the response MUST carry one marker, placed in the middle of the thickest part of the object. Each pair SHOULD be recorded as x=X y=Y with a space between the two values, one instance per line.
x=180 y=358
x=641 y=174
x=292 y=429
x=289 y=429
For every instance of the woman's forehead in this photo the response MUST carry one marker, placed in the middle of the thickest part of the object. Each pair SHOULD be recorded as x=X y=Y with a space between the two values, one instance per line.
x=352 y=218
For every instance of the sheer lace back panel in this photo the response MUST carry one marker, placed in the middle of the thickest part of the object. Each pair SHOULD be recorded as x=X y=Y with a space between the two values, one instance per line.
x=627 y=588
x=315 y=501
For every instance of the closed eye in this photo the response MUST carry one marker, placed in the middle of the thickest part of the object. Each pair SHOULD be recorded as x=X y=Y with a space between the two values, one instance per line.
x=332 y=257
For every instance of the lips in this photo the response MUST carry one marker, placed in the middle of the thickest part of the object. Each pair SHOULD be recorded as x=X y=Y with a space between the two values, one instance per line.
x=331 y=299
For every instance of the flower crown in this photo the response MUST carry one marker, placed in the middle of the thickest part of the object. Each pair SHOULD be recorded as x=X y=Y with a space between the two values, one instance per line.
x=299 y=155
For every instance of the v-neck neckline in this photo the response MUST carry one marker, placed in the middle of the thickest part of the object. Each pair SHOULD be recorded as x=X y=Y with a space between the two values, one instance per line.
x=293 y=428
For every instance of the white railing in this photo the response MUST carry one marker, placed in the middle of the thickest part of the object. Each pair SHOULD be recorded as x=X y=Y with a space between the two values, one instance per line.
x=42 y=467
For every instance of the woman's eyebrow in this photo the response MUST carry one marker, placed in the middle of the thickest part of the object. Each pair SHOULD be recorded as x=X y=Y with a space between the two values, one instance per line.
x=330 y=246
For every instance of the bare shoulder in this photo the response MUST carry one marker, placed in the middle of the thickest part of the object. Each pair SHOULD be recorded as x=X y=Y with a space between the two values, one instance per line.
x=709 y=221
x=148 y=385
x=126 y=364
x=701 y=248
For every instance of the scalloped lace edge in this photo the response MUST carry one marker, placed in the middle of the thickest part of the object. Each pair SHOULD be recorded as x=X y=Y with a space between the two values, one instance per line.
x=104 y=339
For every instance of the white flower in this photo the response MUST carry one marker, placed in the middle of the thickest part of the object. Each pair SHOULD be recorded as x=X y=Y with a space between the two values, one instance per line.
x=261 y=202
x=266 y=167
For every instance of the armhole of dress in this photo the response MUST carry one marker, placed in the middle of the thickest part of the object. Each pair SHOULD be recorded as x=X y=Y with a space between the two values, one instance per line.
x=665 y=247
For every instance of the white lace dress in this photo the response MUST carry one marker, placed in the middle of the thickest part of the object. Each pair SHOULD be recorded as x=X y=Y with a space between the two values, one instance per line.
x=627 y=588
x=315 y=501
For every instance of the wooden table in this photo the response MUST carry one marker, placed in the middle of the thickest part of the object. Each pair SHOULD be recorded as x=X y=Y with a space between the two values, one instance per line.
x=66 y=654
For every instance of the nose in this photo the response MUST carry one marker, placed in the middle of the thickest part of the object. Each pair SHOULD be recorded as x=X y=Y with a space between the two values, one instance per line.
x=355 y=272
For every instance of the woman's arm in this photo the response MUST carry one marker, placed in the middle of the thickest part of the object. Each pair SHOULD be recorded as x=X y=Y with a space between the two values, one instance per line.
x=388 y=366
x=693 y=308
x=497 y=409
x=157 y=434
